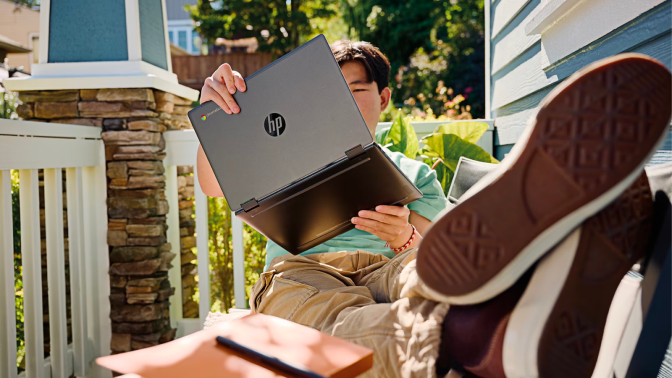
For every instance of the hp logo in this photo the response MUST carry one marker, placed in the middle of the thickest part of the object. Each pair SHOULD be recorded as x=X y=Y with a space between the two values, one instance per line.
x=274 y=125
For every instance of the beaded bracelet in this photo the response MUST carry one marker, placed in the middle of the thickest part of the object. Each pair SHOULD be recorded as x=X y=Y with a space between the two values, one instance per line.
x=408 y=243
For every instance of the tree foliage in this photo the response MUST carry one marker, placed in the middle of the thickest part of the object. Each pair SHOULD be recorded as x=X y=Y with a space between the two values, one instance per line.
x=427 y=41
x=278 y=25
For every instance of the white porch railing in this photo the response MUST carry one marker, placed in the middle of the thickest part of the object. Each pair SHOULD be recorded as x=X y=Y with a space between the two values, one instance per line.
x=181 y=147
x=29 y=146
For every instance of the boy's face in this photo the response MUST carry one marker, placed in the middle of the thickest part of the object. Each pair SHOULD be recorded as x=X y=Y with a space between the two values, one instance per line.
x=370 y=102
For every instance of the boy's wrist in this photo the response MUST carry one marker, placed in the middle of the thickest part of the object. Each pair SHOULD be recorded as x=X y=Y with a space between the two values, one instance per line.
x=403 y=238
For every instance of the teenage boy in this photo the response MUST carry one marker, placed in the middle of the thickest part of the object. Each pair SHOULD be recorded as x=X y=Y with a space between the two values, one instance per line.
x=572 y=190
x=388 y=228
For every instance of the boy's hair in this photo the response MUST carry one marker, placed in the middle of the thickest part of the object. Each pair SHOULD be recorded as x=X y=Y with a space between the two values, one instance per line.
x=375 y=62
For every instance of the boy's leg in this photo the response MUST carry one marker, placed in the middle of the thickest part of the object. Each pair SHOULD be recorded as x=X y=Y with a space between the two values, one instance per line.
x=331 y=292
x=313 y=289
x=397 y=279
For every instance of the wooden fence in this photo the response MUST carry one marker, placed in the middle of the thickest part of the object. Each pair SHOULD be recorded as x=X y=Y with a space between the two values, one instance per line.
x=192 y=70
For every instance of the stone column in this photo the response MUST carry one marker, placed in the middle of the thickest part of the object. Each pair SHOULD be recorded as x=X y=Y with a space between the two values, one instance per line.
x=133 y=121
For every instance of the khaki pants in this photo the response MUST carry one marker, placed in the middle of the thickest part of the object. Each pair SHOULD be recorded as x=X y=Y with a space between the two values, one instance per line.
x=364 y=298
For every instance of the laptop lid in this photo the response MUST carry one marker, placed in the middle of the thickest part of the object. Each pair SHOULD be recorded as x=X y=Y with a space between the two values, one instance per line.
x=297 y=116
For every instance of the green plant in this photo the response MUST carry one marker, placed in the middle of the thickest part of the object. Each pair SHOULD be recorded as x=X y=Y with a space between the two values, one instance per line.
x=8 y=104
x=221 y=255
x=18 y=274
x=442 y=149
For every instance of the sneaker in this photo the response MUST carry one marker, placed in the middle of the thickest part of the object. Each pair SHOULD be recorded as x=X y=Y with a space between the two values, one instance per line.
x=587 y=144
x=556 y=328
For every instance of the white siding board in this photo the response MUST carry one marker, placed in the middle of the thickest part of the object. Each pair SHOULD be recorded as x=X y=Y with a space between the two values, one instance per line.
x=528 y=77
x=504 y=12
x=528 y=102
x=660 y=48
x=511 y=127
x=510 y=46
x=590 y=21
x=511 y=119
x=640 y=32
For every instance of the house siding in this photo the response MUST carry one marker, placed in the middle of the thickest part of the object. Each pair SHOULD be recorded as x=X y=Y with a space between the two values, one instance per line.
x=520 y=76
x=520 y=73
x=175 y=9
x=18 y=22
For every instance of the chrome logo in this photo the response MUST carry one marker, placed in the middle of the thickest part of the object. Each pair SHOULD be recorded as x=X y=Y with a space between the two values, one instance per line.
x=203 y=117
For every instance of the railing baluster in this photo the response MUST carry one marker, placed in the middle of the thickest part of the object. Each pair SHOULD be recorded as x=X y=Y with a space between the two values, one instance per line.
x=77 y=274
x=94 y=185
x=202 y=245
x=238 y=261
x=173 y=220
x=53 y=210
x=32 y=272
x=7 y=310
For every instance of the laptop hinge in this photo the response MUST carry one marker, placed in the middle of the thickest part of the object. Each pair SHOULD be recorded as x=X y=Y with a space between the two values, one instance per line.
x=249 y=205
x=354 y=152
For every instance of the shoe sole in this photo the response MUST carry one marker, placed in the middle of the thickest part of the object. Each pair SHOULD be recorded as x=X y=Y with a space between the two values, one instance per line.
x=587 y=144
x=557 y=326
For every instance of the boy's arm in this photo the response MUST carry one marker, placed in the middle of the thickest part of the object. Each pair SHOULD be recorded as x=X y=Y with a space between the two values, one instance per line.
x=421 y=223
x=206 y=177
x=392 y=224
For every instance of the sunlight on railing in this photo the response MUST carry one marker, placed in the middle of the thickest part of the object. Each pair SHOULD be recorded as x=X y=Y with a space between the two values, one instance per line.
x=29 y=147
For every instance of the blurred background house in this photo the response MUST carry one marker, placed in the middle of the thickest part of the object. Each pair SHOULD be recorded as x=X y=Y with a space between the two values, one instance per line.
x=181 y=27
x=21 y=24
x=7 y=47
x=10 y=47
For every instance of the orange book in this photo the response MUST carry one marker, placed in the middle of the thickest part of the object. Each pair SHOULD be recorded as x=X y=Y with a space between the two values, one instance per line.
x=199 y=356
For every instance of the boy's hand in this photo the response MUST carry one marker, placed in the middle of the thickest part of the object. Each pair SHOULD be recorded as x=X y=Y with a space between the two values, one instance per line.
x=390 y=223
x=221 y=86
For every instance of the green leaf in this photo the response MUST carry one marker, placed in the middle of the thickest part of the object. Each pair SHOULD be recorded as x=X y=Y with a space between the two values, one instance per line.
x=445 y=177
x=469 y=131
x=382 y=137
x=403 y=137
x=450 y=147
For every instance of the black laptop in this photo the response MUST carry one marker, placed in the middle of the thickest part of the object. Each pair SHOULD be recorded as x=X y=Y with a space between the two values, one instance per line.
x=298 y=162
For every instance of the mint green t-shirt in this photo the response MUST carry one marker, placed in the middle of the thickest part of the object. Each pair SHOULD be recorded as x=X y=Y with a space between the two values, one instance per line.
x=432 y=202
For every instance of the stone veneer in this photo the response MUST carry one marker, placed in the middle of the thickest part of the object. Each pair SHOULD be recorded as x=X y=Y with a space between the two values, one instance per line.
x=133 y=121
